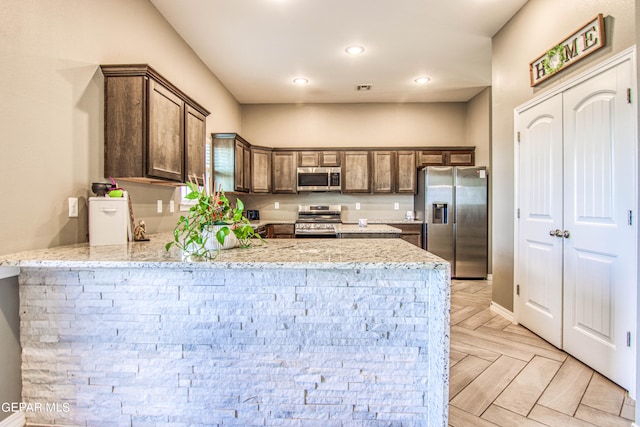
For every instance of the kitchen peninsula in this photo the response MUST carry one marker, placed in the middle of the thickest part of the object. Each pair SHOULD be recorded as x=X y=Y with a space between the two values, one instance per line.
x=296 y=332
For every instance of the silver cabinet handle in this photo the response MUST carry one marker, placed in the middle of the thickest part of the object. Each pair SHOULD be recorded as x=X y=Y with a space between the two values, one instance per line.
x=556 y=233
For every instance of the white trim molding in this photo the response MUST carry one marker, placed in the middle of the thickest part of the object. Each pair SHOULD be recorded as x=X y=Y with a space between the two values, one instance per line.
x=16 y=420
x=497 y=308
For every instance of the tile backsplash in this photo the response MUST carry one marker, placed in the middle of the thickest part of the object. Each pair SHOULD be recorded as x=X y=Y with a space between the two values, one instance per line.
x=372 y=207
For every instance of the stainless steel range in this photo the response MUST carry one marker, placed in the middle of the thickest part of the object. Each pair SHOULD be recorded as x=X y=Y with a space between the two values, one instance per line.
x=318 y=220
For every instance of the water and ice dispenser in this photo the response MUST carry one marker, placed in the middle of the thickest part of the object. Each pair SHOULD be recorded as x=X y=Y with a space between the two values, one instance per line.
x=439 y=213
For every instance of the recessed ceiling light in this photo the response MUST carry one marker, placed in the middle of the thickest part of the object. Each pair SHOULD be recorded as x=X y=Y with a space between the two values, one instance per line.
x=422 y=80
x=300 y=81
x=354 y=50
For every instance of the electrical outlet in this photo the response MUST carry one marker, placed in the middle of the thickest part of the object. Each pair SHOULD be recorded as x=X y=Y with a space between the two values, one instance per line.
x=73 y=207
x=172 y=206
x=276 y=205
x=159 y=206
x=396 y=206
x=357 y=206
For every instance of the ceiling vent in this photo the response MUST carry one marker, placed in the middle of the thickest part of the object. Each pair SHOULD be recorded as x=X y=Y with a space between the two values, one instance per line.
x=363 y=87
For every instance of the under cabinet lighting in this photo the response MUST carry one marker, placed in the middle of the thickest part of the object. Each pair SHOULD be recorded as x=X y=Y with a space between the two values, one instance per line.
x=300 y=81
x=422 y=80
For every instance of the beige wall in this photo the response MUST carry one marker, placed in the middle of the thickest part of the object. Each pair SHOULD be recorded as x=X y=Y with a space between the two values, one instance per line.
x=354 y=125
x=478 y=126
x=538 y=26
x=52 y=112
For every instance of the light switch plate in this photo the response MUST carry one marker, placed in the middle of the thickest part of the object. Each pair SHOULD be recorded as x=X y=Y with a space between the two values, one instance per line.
x=357 y=206
x=159 y=206
x=73 y=207
x=276 y=205
x=396 y=206
x=172 y=206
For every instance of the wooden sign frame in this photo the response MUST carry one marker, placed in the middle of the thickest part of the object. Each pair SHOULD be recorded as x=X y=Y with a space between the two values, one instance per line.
x=582 y=43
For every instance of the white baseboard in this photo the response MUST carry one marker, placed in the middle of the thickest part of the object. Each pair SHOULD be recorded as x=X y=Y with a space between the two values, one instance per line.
x=497 y=308
x=15 y=420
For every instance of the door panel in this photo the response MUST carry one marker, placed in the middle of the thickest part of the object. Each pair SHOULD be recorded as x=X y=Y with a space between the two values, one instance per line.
x=540 y=191
x=592 y=300
x=600 y=251
x=439 y=212
x=470 y=222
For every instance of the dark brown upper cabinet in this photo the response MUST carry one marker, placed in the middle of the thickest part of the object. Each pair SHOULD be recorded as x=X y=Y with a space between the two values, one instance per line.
x=356 y=171
x=284 y=169
x=383 y=171
x=231 y=162
x=261 y=170
x=153 y=132
x=463 y=156
x=318 y=158
x=406 y=172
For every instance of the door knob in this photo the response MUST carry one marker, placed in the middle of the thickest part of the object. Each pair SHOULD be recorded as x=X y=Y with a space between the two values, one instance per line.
x=556 y=233
x=565 y=234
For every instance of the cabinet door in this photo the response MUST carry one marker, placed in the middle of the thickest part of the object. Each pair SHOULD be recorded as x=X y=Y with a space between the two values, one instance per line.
x=284 y=172
x=383 y=171
x=241 y=168
x=308 y=159
x=330 y=158
x=246 y=168
x=356 y=172
x=432 y=158
x=406 y=172
x=412 y=233
x=461 y=158
x=282 y=231
x=195 y=128
x=165 y=158
x=260 y=170
x=124 y=118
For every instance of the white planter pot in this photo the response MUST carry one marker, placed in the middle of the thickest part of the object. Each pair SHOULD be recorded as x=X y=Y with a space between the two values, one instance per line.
x=230 y=241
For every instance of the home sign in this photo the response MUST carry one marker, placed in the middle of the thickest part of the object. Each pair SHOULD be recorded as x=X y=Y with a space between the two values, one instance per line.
x=574 y=48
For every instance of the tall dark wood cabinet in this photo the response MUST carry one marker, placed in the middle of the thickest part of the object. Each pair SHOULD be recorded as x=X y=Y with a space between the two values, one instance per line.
x=195 y=137
x=383 y=171
x=154 y=132
x=261 y=170
x=284 y=169
x=231 y=162
x=356 y=171
x=406 y=175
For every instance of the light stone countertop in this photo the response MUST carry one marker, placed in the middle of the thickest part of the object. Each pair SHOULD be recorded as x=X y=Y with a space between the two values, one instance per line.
x=369 y=229
x=275 y=253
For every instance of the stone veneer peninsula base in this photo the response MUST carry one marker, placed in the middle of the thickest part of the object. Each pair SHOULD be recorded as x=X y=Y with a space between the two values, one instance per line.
x=326 y=332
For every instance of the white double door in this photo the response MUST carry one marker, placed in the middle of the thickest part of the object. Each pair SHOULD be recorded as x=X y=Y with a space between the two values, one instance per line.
x=577 y=237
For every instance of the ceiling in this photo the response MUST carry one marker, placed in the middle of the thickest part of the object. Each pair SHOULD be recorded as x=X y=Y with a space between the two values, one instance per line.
x=257 y=47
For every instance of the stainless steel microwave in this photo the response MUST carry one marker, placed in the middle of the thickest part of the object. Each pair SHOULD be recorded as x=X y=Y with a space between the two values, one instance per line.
x=319 y=179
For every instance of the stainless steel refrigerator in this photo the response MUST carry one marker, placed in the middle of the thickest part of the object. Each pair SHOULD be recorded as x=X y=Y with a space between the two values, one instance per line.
x=452 y=203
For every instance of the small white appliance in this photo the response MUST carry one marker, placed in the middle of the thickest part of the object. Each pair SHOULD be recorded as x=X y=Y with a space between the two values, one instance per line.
x=108 y=220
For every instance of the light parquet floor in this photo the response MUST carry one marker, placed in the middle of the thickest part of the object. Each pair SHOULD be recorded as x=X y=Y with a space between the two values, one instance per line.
x=504 y=375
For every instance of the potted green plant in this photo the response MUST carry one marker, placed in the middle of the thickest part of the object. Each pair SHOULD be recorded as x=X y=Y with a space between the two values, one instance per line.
x=211 y=224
